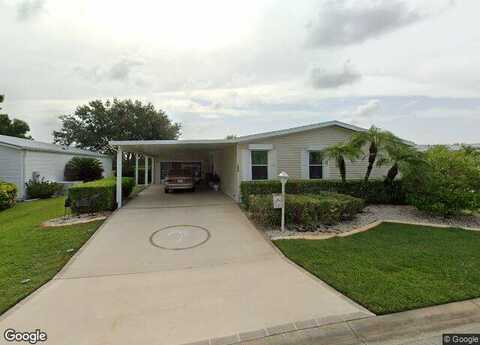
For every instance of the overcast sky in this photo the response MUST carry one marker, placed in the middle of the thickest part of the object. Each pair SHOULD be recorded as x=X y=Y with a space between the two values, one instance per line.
x=240 y=67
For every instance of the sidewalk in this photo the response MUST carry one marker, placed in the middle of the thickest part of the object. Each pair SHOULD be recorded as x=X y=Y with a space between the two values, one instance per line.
x=416 y=327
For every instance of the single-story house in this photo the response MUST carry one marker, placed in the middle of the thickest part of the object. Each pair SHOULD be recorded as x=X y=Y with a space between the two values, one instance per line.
x=22 y=159
x=253 y=157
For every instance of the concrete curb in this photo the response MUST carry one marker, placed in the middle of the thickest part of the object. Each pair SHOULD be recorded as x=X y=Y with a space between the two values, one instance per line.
x=366 y=228
x=357 y=329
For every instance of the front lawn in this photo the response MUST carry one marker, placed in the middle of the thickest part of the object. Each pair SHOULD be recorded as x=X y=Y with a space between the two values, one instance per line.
x=28 y=251
x=395 y=267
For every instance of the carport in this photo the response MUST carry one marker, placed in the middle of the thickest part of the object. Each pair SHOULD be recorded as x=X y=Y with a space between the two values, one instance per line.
x=210 y=156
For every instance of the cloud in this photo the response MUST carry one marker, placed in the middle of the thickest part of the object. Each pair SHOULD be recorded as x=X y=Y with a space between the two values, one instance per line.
x=367 y=109
x=122 y=69
x=119 y=71
x=342 y=23
x=27 y=9
x=323 y=79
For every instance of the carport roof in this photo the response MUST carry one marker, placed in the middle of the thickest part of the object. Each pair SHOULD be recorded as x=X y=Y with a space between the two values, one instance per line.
x=140 y=145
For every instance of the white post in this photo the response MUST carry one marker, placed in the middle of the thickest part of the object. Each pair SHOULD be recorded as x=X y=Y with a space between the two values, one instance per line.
x=283 y=180
x=283 y=206
x=119 y=177
x=153 y=170
x=146 y=171
x=136 y=168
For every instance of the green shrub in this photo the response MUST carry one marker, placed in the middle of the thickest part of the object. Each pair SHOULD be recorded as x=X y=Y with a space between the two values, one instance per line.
x=447 y=185
x=8 y=194
x=103 y=192
x=306 y=210
x=83 y=169
x=373 y=192
x=42 y=189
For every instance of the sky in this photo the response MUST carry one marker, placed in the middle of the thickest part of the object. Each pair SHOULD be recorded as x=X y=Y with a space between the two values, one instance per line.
x=241 y=67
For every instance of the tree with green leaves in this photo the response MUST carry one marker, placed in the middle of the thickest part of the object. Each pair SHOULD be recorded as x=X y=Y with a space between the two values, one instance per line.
x=339 y=153
x=15 y=127
x=377 y=140
x=400 y=156
x=92 y=126
x=447 y=185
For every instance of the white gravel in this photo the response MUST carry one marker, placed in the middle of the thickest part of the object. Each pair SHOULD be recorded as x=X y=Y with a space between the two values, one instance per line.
x=375 y=213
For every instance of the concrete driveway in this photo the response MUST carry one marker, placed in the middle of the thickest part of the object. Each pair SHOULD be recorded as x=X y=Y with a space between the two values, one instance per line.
x=124 y=288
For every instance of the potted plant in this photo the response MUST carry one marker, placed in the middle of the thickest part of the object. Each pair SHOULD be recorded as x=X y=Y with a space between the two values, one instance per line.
x=215 y=182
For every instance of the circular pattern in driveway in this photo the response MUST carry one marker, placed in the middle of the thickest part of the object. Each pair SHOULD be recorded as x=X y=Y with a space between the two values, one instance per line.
x=180 y=237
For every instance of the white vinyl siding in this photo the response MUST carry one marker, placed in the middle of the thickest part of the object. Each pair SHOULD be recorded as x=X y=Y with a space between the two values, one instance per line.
x=51 y=166
x=225 y=166
x=17 y=166
x=292 y=153
x=11 y=167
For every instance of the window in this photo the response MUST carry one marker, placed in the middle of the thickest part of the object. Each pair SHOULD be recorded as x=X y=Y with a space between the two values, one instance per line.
x=259 y=165
x=315 y=164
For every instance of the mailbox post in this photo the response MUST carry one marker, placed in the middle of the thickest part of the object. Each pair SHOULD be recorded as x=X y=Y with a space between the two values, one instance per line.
x=283 y=180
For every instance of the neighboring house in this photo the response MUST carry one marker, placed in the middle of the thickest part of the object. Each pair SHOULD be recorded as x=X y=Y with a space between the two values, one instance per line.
x=255 y=157
x=21 y=158
x=453 y=147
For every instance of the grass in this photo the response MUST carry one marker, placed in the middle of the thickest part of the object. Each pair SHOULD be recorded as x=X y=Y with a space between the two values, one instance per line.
x=31 y=252
x=395 y=267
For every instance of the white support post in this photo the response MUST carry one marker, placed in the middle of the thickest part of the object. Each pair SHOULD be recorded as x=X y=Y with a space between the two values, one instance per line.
x=146 y=170
x=283 y=207
x=153 y=170
x=136 y=168
x=119 y=177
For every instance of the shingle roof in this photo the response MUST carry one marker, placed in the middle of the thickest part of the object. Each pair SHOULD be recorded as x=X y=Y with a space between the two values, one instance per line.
x=34 y=145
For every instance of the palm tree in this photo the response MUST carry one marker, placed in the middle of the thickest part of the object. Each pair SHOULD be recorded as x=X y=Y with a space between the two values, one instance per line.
x=339 y=153
x=378 y=140
x=400 y=156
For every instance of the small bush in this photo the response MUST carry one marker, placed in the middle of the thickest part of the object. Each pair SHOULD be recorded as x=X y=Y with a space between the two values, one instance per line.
x=306 y=210
x=42 y=189
x=8 y=194
x=373 y=192
x=83 y=169
x=103 y=192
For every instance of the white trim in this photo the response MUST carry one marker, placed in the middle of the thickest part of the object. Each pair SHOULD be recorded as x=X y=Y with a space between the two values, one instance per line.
x=260 y=147
x=19 y=143
x=272 y=165
x=170 y=142
x=317 y=147
x=246 y=164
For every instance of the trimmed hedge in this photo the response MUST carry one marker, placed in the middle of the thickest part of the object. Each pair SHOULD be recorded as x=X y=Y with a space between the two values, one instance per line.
x=104 y=192
x=306 y=210
x=373 y=192
x=8 y=194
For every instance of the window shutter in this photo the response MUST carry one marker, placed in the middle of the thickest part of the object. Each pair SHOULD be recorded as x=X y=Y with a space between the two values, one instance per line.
x=246 y=170
x=272 y=164
x=325 y=169
x=304 y=165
